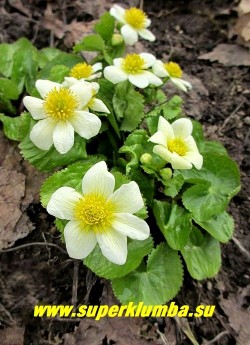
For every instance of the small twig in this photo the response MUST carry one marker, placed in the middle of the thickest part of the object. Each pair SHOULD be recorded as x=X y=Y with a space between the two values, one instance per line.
x=12 y=321
x=75 y=283
x=33 y=244
x=163 y=338
x=242 y=249
x=231 y=115
x=141 y=4
x=216 y=338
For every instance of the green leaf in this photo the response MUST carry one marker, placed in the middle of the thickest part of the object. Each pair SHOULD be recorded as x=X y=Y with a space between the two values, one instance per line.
x=90 y=43
x=105 y=26
x=173 y=185
x=203 y=260
x=47 y=54
x=58 y=73
x=106 y=269
x=25 y=66
x=170 y=109
x=174 y=222
x=70 y=177
x=216 y=183
x=155 y=284
x=51 y=159
x=128 y=106
x=220 y=227
x=11 y=126
x=8 y=88
x=105 y=94
x=65 y=59
x=6 y=105
x=213 y=147
x=6 y=59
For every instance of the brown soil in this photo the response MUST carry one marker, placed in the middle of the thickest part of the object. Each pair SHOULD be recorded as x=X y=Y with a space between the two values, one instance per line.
x=40 y=274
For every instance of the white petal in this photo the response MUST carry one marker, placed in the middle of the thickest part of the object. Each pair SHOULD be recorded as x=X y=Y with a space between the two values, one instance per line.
x=95 y=87
x=148 y=58
x=163 y=152
x=118 y=62
x=94 y=76
x=35 y=107
x=69 y=81
x=195 y=158
x=147 y=35
x=147 y=22
x=139 y=80
x=98 y=105
x=63 y=136
x=182 y=128
x=129 y=34
x=79 y=242
x=98 y=180
x=159 y=138
x=127 y=198
x=114 y=74
x=42 y=134
x=181 y=84
x=191 y=144
x=179 y=162
x=97 y=66
x=45 y=86
x=118 y=12
x=165 y=127
x=159 y=69
x=129 y=225
x=62 y=203
x=82 y=90
x=86 y=124
x=153 y=80
x=113 y=246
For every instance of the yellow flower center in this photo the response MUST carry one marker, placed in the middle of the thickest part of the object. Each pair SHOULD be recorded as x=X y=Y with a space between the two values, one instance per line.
x=173 y=69
x=60 y=104
x=133 y=64
x=81 y=70
x=94 y=211
x=178 y=146
x=136 y=18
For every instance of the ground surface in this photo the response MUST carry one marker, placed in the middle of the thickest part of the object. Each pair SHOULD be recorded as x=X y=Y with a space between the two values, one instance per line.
x=220 y=100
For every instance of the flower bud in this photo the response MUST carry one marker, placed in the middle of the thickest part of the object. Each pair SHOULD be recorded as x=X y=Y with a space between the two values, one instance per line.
x=116 y=40
x=146 y=158
x=166 y=173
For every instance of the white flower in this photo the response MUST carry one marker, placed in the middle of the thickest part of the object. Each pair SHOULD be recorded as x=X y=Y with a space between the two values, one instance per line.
x=133 y=68
x=176 y=145
x=83 y=71
x=60 y=113
x=99 y=215
x=135 y=23
x=173 y=71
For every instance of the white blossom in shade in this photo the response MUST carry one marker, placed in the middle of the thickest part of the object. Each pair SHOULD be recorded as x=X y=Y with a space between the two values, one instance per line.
x=176 y=145
x=173 y=71
x=60 y=113
x=134 y=67
x=99 y=215
x=135 y=23
x=83 y=71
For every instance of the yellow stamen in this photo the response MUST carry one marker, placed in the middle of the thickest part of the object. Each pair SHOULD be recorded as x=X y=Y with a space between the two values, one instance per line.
x=94 y=212
x=173 y=69
x=133 y=64
x=136 y=18
x=60 y=104
x=81 y=70
x=178 y=146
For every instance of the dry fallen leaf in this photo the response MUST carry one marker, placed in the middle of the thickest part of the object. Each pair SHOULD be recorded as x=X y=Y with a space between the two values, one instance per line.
x=12 y=335
x=244 y=7
x=228 y=55
x=242 y=26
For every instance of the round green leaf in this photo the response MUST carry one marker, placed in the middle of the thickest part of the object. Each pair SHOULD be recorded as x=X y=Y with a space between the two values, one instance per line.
x=106 y=269
x=202 y=257
x=155 y=284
